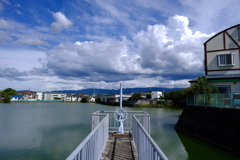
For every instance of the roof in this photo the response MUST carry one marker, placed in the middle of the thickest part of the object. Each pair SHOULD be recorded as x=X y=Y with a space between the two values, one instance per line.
x=221 y=32
x=231 y=76
x=220 y=76
x=16 y=96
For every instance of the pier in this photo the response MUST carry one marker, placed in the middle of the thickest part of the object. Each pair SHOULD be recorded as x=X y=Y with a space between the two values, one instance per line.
x=119 y=146
x=104 y=143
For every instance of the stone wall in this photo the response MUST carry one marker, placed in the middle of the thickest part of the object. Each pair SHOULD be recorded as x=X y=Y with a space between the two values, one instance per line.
x=217 y=126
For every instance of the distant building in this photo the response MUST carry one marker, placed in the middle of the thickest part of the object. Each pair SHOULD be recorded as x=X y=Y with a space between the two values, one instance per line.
x=71 y=97
x=156 y=94
x=39 y=96
x=54 y=96
x=27 y=95
x=91 y=99
x=113 y=98
x=16 y=97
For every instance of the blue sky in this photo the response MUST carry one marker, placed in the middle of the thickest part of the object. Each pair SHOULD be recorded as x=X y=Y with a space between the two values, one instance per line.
x=75 y=44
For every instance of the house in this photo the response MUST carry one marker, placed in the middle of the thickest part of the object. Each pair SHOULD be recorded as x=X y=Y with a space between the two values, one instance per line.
x=28 y=95
x=156 y=94
x=71 y=97
x=16 y=97
x=222 y=60
x=91 y=99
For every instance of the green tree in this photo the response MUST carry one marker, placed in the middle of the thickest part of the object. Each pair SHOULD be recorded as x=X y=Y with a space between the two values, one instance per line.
x=10 y=91
x=6 y=94
x=179 y=97
x=97 y=99
x=148 y=96
x=204 y=87
x=6 y=99
x=136 y=96
x=84 y=99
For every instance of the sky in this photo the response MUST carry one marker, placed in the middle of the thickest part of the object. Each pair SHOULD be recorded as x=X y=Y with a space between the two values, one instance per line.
x=50 y=45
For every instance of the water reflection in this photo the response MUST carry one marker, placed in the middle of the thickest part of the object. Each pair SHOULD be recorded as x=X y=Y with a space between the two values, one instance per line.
x=51 y=131
x=164 y=134
x=167 y=122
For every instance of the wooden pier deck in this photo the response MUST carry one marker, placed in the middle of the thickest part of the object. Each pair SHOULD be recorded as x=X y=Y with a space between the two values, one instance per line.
x=119 y=147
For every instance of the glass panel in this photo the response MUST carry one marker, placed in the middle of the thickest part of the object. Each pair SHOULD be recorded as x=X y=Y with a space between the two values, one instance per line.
x=229 y=59
x=222 y=59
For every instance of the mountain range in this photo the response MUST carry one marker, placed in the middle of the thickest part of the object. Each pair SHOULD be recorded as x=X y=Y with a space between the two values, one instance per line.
x=116 y=91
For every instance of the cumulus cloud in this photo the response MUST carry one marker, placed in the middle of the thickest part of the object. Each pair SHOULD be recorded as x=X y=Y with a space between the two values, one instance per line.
x=61 y=22
x=165 y=52
x=96 y=59
x=171 y=48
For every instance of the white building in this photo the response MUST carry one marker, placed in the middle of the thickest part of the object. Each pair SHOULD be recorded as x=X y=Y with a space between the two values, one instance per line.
x=92 y=99
x=114 y=98
x=71 y=97
x=39 y=95
x=54 y=96
x=156 y=94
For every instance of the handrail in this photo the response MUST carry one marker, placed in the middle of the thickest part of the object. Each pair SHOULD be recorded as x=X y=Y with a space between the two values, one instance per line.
x=143 y=117
x=146 y=147
x=93 y=145
x=222 y=100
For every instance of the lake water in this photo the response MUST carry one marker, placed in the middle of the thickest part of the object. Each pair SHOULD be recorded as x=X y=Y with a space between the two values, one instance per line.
x=52 y=130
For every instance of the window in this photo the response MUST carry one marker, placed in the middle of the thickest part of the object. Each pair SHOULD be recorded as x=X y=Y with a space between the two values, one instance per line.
x=226 y=59
x=238 y=33
x=224 y=89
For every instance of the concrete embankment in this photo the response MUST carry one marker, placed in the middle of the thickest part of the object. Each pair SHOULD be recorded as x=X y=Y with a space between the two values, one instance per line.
x=217 y=126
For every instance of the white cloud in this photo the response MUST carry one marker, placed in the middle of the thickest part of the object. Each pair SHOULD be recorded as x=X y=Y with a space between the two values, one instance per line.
x=171 y=48
x=1 y=7
x=5 y=37
x=6 y=2
x=31 y=41
x=4 y=24
x=18 y=12
x=61 y=22
x=22 y=60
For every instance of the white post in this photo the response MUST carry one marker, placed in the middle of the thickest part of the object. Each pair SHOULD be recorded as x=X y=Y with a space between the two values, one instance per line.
x=120 y=95
x=120 y=117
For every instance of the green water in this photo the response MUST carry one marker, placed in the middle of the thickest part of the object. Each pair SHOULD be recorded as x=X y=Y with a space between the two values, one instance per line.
x=52 y=130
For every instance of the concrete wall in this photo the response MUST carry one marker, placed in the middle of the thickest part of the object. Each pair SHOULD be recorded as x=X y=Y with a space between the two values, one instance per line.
x=217 y=126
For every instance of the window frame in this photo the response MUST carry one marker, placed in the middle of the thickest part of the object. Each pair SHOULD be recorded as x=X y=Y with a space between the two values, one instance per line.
x=238 y=33
x=226 y=87
x=225 y=59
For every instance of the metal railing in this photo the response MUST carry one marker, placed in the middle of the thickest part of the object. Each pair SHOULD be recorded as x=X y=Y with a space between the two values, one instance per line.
x=143 y=117
x=102 y=121
x=92 y=146
x=223 y=100
x=145 y=145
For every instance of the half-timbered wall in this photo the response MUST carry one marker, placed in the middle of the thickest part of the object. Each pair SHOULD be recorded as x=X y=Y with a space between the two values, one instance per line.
x=225 y=42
